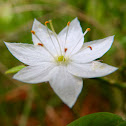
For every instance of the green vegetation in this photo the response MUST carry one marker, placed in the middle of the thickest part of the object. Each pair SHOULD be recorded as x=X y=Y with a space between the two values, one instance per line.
x=24 y=104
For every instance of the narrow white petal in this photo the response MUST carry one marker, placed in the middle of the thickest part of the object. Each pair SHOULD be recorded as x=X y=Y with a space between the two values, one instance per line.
x=35 y=74
x=99 y=48
x=41 y=30
x=74 y=35
x=65 y=85
x=90 y=70
x=44 y=35
x=28 y=53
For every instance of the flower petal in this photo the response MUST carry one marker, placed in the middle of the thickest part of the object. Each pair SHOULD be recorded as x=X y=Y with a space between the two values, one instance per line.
x=28 y=53
x=74 y=35
x=93 y=50
x=35 y=74
x=65 y=85
x=90 y=70
x=46 y=36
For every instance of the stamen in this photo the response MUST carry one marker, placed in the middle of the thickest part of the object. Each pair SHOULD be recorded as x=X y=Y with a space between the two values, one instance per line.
x=90 y=47
x=65 y=49
x=67 y=33
x=68 y=23
x=33 y=32
x=88 y=29
x=50 y=35
x=46 y=23
x=51 y=25
x=40 y=44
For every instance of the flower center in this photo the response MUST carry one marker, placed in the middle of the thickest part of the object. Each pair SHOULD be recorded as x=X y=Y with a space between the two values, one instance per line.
x=61 y=59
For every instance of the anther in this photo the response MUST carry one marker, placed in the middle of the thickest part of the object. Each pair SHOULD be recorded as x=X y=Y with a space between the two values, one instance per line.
x=90 y=47
x=40 y=44
x=68 y=23
x=33 y=32
x=46 y=23
x=88 y=29
x=65 y=49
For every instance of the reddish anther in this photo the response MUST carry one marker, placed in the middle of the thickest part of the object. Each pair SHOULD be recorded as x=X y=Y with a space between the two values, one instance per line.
x=65 y=49
x=90 y=47
x=33 y=32
x=40 y=44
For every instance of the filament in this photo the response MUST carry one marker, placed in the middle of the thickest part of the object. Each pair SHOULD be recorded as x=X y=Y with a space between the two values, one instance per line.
x=33 y=32
x=50 y=35
x=88 y=29
x=51 y=25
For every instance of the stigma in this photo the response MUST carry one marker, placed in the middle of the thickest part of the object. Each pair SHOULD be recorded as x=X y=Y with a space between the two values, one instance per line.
x=62 y=60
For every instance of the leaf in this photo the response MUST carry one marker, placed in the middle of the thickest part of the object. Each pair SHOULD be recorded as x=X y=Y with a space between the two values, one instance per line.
x=15 y=69
x=98 y=119
x=122 y=124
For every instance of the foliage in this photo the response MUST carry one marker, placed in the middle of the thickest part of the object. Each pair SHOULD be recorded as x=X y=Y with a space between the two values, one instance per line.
x=105 y=18
x=98 y=119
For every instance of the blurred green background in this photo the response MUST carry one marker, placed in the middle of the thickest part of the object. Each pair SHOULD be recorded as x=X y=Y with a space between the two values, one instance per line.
x=37 y=105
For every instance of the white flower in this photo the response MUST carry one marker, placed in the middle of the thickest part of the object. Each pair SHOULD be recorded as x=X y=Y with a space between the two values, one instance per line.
x=62 y=59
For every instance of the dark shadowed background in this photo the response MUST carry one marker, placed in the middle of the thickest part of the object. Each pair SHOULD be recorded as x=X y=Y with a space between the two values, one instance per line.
x=37 y=105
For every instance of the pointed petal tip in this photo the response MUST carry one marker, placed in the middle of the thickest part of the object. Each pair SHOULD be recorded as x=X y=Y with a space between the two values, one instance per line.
x=4 y=42
x=71 y=104
x=7 y=43
x=115 y=68
x=111 y=38
x=76 y=19
x=35 y=20
x=112 y=70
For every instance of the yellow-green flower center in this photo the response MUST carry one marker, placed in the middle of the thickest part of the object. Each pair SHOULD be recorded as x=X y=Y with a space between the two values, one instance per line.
x=61 y=59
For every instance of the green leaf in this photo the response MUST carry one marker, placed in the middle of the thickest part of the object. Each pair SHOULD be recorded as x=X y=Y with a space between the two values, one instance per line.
x=98 y=119
x=15 y=69
x=122 y=124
